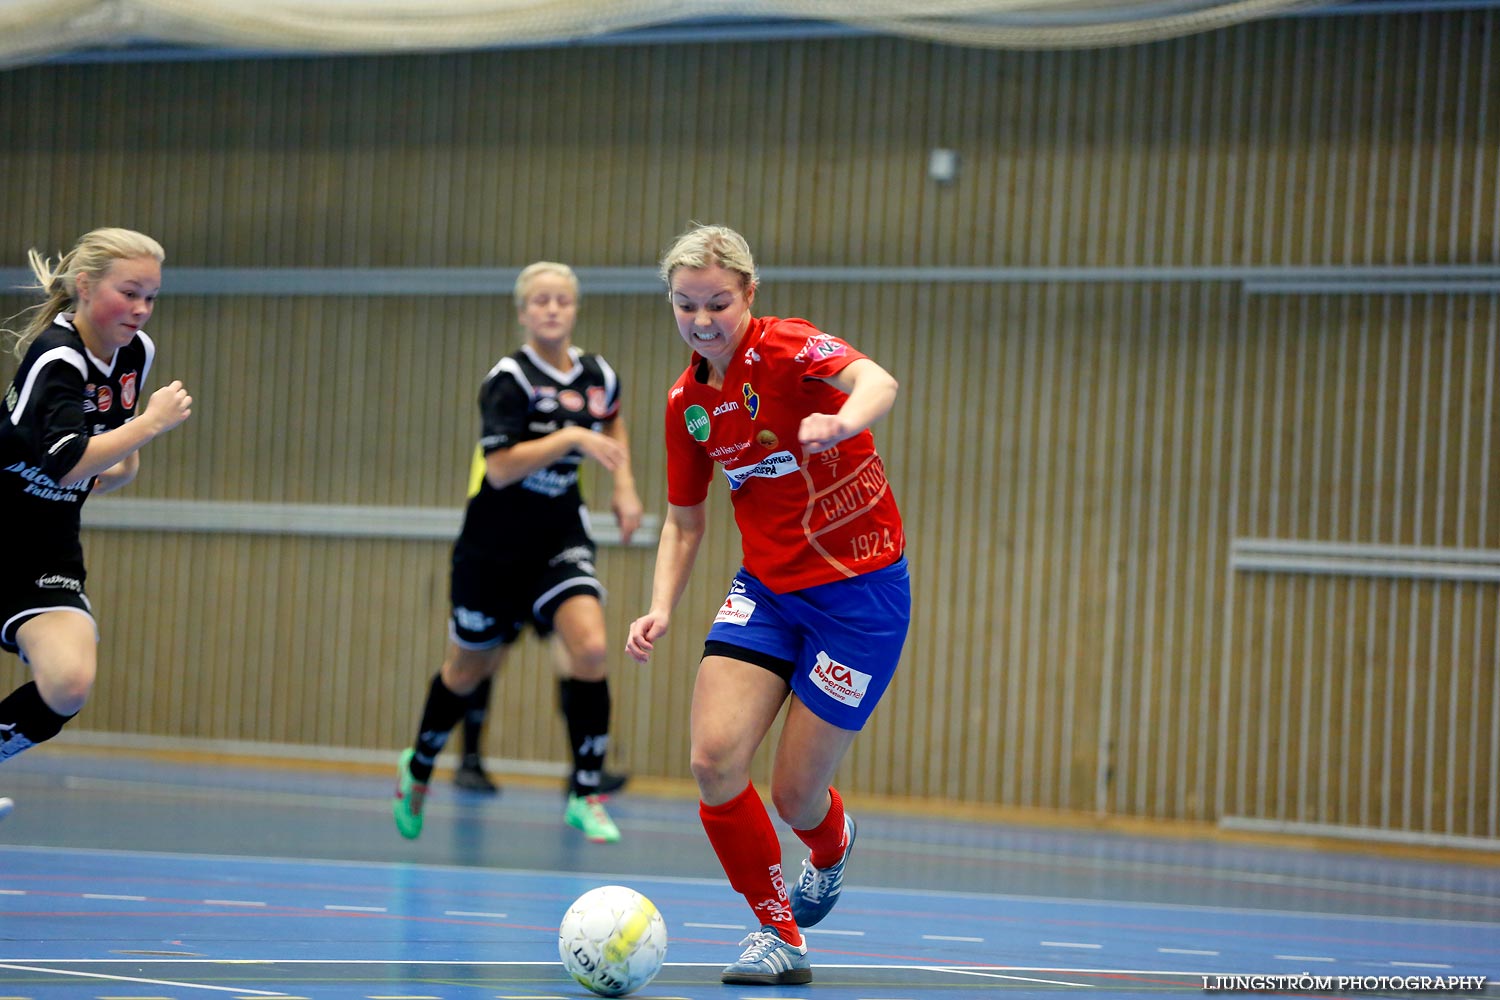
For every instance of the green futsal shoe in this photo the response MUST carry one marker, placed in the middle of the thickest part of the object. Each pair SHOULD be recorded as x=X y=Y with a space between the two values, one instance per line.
x=410 y=797
x=587 y=813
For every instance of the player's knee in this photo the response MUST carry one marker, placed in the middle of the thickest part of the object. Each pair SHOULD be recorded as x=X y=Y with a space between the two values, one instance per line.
x=793 y=800
x=465 y=669
x=590 y=661
x=712 y=771
x=65 y=684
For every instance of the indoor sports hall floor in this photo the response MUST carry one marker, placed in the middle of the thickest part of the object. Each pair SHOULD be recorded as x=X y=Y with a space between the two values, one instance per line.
x=138 y=876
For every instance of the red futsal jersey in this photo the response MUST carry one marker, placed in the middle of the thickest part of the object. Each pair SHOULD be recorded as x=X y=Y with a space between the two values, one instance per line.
x=803 y=519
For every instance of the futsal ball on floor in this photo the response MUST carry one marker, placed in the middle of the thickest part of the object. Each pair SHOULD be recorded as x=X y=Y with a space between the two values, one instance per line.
x=612 y=940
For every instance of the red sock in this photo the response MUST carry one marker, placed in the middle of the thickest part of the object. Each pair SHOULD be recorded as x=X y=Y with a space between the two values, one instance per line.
x=826 y=840
x=742 y=836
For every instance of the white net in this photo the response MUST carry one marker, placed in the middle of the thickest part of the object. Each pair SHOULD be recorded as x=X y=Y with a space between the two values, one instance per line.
x=36 y=29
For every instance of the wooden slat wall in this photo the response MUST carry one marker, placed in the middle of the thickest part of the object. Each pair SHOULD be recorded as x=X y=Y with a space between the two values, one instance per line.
x=1073 y=458
x=1356 y=701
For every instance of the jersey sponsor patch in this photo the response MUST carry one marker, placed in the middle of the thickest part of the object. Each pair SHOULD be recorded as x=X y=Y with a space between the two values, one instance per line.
x=598 y=399
x=549 y=482
x=773 y=466
x=697 y=422
x=839 y=681
x=736 y=610
x=39 y=485
x=822 y=346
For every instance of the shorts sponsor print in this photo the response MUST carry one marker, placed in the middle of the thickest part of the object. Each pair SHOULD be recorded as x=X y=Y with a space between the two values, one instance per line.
x=26 y=595
x=843 y=639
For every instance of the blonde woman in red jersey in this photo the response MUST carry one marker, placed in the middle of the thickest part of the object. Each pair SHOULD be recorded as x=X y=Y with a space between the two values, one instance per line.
x=819 y=610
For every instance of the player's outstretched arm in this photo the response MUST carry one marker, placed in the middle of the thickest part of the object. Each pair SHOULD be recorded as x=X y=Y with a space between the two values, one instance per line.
x=872 y=393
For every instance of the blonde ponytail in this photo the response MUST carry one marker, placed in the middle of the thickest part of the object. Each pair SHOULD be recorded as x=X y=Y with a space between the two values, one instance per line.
x=93 y=254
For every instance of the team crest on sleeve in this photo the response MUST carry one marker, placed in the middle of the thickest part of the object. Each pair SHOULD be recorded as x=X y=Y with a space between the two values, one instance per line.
x=752 y=400
x=127 y=390
x=820 y=346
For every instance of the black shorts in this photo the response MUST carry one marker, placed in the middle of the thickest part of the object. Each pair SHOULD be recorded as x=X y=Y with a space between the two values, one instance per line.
x=24 y=595
x=495 y=598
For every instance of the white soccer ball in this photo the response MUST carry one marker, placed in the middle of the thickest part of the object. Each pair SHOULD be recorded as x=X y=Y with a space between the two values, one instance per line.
x=612 y=940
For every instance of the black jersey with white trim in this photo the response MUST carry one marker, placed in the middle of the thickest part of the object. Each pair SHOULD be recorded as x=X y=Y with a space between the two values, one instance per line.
x=525 y=398
x=61 y=396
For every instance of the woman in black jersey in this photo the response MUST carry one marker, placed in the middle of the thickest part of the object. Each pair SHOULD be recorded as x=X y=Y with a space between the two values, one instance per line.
x=525 y=555
x=71 y=425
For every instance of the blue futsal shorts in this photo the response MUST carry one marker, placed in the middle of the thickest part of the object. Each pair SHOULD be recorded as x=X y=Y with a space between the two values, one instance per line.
x=836 y=644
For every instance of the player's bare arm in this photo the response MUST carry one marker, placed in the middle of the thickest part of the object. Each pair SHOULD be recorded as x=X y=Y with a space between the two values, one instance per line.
x=168 y=406
x=872 y=393
x=122 y=473
x=624 y=501
x=681 y=534
x=513 y=464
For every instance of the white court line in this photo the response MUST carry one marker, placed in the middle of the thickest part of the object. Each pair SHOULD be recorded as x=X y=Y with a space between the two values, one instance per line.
x=1304 y=958
x=995 y=975
x=107 y=895
x=924 y=895
x=475 y=913
x=147 y=982
x=500 y=963
x=950 y=937
x=354 y=909
x=233 y=902
x=1423 y=965
x=1068 y=944
x=1185 y=951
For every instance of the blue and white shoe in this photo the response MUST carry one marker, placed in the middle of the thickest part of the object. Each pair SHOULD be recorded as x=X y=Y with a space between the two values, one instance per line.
x=818 y=888
x=769 y=961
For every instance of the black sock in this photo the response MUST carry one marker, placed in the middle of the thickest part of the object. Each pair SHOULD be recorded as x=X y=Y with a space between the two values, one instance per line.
x=443 y=709
x=25 y=720
x=477 y=707
x=585 y=705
